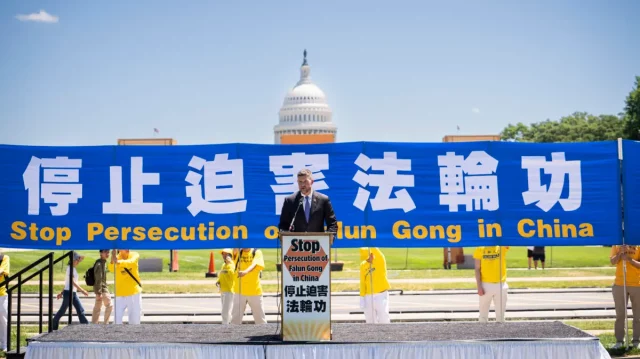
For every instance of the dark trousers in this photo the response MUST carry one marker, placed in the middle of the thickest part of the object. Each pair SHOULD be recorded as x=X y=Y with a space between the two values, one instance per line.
x=65 y=305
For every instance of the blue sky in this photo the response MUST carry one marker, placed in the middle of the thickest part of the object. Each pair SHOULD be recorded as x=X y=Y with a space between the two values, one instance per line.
x=216 y=72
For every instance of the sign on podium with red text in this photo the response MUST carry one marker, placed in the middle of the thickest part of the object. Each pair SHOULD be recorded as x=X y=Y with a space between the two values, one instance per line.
x=306 y=286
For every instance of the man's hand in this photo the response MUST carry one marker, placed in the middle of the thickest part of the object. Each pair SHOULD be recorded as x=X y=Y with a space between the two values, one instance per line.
x=59 y=296
x=242 y=273
x=480 y=291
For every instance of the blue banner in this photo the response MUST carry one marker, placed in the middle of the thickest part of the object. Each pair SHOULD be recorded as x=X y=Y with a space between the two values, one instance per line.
x=631 y=182
x=384 y=194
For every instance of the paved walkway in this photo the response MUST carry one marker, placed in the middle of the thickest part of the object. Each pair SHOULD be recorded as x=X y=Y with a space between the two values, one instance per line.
x=510 y=269
x=392 y=281
x=413 y=307
x=598 y=332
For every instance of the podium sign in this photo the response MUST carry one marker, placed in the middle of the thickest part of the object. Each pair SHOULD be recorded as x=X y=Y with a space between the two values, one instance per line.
x=306 y=286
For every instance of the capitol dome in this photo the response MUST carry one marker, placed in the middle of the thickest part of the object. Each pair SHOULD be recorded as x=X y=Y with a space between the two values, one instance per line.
x=305 y=116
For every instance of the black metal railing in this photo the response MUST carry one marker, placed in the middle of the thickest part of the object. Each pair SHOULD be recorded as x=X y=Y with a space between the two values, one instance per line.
x=50 y=263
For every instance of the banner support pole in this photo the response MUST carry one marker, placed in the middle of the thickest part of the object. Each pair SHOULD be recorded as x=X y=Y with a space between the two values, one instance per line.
x=624 y=261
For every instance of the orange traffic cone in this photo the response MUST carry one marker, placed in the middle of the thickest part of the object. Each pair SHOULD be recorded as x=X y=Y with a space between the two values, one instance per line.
x=174 y=261
x=212 y=267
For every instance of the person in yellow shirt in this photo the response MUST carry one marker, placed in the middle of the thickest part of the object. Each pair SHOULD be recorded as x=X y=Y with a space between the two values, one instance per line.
x=491 y=279
x=226 y=282
x=374 y=286
x=127 y=283
x=5 y=266
x=247 y=288
x=630 y=254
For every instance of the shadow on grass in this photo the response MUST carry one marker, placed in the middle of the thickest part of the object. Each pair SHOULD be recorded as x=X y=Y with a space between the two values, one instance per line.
x=608 y=340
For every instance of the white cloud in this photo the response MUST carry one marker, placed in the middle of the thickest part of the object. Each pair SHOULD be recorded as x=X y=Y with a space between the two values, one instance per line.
x=475 y=110
x=42 y=16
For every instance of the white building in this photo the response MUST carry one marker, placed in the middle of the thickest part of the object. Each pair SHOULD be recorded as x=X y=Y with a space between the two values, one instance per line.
x=305 y=116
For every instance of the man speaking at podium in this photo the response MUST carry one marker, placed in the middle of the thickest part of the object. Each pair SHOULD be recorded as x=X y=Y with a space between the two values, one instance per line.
x=307 y=210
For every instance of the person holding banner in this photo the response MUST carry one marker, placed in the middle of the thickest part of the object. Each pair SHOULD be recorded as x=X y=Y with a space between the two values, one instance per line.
x=630 y=254
x=491 y=279
x=127 y=282
x=248 y=289
x=315 y=206
x=226 y=282
x=374 y=286
x=5 y=269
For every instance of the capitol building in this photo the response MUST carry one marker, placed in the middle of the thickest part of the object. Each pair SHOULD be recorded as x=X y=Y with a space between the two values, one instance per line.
x=305 y=116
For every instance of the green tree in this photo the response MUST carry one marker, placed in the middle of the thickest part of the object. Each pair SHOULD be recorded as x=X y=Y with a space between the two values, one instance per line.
x=517 y=132
x=578 y=127
x=632 y=109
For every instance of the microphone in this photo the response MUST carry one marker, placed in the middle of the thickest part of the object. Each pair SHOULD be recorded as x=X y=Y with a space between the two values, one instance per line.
x=291 y=227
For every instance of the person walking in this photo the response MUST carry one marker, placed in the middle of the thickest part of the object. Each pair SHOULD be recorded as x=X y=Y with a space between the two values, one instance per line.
x=100 y=288
x=65 y=294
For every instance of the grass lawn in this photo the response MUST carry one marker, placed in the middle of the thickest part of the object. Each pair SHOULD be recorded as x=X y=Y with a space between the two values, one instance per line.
x=26 y=331
x=600 y=324
x=59 y=273
x=607 y=339
x=197 y=261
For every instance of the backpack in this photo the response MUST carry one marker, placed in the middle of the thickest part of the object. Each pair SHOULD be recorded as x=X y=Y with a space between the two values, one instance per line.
x=253 y=255
x=90 y=276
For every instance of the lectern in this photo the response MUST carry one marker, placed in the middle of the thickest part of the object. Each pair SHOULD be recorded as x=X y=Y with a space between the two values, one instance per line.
x=306 y=286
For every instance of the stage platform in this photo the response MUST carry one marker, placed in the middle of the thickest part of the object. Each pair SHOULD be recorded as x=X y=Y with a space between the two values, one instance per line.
x=513 y=340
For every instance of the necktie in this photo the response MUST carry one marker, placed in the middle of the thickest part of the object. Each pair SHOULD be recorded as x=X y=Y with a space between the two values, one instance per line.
x=307 y=208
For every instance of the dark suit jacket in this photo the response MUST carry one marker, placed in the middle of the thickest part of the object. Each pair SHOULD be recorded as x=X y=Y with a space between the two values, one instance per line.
x=321 y=214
